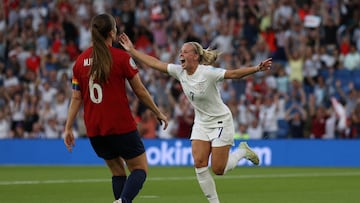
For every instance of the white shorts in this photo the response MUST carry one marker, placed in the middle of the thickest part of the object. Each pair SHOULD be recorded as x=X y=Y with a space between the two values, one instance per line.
x=219 y=136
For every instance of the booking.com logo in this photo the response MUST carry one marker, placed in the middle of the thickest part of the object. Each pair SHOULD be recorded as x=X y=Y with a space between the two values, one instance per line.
x=176 y=154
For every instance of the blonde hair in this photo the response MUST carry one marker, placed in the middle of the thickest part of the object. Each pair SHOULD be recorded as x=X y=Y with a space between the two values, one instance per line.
x=207 y=56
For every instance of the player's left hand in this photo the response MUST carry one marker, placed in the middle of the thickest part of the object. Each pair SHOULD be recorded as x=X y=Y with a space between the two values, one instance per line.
x=125 y=42
x=163 y=120
x=265 y=65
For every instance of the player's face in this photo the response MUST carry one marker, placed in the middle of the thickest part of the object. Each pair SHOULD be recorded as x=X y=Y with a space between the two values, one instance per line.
x=188 y=56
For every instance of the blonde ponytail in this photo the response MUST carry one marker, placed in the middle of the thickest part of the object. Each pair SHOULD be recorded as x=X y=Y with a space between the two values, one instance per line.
x=207 y=56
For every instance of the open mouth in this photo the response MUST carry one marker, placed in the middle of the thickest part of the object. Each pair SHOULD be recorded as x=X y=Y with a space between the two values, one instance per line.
x=182 y=61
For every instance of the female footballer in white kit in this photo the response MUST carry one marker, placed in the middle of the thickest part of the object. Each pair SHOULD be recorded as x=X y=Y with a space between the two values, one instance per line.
x=213 y=130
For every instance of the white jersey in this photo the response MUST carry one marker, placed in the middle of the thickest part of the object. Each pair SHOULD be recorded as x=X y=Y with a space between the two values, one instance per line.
x=201 y=88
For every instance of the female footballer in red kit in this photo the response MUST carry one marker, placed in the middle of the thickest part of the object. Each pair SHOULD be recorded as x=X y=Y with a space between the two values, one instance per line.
x=99 y=83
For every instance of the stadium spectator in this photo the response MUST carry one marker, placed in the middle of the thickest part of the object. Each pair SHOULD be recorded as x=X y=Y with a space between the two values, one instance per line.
x=241 y=133
x=296 y=64
x=61 y=106
x=33 y=62
x=320 y=91
x=310 y=69
x=99 y=76
x=319 y=116
x=352 y=59
x=37 y=131
x=24 y=24
x=84 y=35
x=223 y=41
x=31 y=111
x=184 y=115
x=46 y=112
x=11 y=80
x=17 y=107
x=52 y=128
x=247 y=112
x=170 y=131
x=47 y=92
x=356 y=36
x=213 y=130
x=355 y=121
x=296 y=117
x=148 y=125
x=268 y=116
x=4 y=124
x=255 y=130
x=282 y=79
x=18 y=132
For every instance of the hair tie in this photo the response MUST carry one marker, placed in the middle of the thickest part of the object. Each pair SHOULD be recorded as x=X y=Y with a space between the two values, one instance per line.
x=201 y=52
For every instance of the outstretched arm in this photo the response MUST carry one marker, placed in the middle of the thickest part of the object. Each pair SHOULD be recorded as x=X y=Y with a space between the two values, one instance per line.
x=242 y=72
x=140 y=56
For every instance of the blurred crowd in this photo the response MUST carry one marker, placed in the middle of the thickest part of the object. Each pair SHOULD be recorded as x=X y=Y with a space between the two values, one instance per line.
x=312 y=91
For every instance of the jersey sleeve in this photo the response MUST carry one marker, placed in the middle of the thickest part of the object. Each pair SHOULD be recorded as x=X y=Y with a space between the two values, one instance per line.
x=131 y=68
x=217 y=74
x=174 y=70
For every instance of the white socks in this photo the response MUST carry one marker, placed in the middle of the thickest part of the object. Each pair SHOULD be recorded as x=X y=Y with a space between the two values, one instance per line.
x=206 y=181
x=234 y=158
x=207 y=184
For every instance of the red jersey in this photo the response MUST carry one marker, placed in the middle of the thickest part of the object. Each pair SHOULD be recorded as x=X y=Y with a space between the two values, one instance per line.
x=106 y=106
x=33 y=63
x=318 y=126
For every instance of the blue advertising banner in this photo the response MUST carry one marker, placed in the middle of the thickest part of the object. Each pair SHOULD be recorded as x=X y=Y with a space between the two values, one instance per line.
x=177 y=152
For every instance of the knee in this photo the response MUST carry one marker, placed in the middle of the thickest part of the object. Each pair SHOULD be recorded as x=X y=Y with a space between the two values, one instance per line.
x=200 y=163
x=218 y=170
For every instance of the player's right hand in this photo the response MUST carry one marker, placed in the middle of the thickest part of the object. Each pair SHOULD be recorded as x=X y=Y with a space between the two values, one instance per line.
x=69 y=140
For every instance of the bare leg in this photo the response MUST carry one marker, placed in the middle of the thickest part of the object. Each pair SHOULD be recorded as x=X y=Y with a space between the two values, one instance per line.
x=201 y=151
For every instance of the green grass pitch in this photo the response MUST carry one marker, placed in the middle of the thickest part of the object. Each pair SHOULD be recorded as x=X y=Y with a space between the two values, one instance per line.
x=91 y=184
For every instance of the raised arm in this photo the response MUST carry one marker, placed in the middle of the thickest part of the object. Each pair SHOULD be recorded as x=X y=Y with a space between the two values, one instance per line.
x=242 y=72
x=140 y=56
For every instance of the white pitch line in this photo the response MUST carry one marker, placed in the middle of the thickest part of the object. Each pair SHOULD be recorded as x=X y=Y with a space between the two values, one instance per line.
x=149 y=196
x=289 y=175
